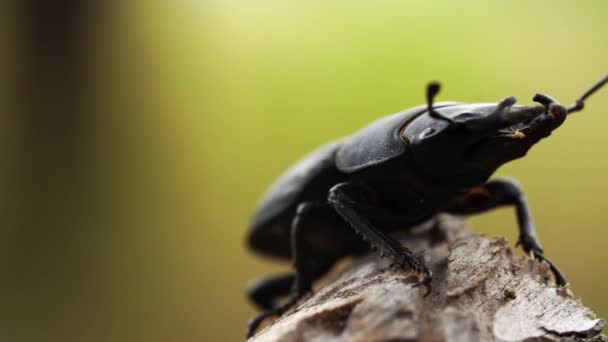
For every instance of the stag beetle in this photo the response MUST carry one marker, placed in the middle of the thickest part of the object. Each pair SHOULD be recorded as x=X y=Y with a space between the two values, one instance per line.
x=397 y=172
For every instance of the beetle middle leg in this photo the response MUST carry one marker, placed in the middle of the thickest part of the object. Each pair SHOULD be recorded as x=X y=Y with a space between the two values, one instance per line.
x=310 y=262
x=501 y=192
x=348 y=200
x=265 y=291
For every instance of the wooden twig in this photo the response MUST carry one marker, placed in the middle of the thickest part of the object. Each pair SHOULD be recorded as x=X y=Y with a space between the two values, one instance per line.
x=481 y=292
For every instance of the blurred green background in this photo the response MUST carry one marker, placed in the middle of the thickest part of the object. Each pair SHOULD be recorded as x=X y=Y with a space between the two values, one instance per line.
x=126 y=221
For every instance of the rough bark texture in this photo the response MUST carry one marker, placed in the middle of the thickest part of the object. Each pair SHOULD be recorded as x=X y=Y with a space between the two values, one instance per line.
x=481 y=292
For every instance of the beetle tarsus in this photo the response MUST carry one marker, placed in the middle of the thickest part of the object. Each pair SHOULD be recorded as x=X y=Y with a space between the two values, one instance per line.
x=264 y=292
x=255 y=322
x=529 y=244
x=427 y=278
x=560 y=279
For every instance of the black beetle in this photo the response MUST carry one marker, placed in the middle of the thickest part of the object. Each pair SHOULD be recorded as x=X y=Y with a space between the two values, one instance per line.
x=397 y=172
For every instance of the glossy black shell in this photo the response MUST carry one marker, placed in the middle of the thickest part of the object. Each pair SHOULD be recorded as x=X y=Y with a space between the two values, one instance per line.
x=312 y=177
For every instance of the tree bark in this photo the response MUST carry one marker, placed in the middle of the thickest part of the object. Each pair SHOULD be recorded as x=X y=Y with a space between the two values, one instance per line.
x=481 y=292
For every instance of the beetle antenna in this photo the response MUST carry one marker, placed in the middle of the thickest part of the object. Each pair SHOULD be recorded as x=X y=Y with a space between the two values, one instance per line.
x=432 y=89
x=580 y=103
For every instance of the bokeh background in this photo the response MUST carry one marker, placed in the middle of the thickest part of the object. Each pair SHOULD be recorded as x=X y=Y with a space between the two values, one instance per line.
x=137 y=137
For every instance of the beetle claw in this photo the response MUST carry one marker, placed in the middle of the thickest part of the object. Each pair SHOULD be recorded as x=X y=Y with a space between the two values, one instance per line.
x=531 y=246
x=560 y=279
x=427 y=277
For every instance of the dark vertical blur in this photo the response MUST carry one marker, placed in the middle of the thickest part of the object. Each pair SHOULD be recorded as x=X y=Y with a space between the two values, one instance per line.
x=48 y=127
x=50 y=113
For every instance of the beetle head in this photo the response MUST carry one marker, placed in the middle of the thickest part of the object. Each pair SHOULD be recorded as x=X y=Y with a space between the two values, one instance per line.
x=464 y=144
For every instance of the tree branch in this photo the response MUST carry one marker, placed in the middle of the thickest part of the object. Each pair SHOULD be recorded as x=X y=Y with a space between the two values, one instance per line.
x=481 y=292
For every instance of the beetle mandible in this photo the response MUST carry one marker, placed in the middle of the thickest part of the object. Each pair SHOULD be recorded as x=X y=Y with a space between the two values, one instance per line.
x=399 y=171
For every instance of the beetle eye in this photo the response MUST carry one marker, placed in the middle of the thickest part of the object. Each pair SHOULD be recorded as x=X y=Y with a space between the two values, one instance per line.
x=427 y=133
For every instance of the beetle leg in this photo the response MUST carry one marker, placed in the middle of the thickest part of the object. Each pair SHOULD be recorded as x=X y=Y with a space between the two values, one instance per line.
x=307 y=267
x=255 y=322
x=265 y=291
x=343 y=197
x=501 y=192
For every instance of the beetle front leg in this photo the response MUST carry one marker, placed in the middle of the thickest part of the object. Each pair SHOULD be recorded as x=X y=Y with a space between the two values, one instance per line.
x=501 y=192
x=346 y=199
